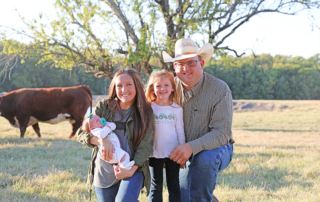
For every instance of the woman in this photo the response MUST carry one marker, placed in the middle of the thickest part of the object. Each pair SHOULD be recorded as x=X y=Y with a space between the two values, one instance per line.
x=127 y=107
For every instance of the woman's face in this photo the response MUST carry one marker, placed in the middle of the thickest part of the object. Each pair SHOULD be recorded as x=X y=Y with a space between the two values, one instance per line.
x=125 y=89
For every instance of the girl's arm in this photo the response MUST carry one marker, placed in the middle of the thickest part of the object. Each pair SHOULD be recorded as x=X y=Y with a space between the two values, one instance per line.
x=180 y=126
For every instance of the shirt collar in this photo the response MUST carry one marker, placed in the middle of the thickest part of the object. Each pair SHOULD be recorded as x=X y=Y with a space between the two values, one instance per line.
x=195 y=90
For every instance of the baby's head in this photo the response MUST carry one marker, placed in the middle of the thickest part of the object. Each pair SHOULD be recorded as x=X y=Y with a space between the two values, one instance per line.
x=93 y=122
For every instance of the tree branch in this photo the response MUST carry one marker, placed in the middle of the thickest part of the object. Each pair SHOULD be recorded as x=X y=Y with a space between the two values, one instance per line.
x=124 y=20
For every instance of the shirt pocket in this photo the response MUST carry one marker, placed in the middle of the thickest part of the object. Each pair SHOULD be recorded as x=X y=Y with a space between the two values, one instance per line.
x=200 y=120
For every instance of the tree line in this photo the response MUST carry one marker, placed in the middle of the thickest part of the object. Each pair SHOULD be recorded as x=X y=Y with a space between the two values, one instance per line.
x=266 y=77
x=30 y=74
x=260 y=77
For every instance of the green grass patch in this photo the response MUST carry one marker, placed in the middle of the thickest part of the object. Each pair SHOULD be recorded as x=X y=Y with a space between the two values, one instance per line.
x=276 y=158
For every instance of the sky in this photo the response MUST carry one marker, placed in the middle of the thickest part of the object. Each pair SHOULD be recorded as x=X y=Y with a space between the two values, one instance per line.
x=265 y=34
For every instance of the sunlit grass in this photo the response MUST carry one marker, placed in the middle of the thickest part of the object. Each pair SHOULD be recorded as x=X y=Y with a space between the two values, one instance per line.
x=277 y=158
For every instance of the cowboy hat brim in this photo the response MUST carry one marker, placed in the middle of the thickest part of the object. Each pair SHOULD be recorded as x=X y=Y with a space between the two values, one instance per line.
x=205 y=53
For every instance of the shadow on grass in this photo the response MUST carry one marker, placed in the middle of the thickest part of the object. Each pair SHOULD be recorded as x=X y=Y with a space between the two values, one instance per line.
x=36 y=161
x=38 y=156
x=270 y=179
x=281 y=130
x=273 y=146
x=266 y=155
x=46 y=194
x=21 y=196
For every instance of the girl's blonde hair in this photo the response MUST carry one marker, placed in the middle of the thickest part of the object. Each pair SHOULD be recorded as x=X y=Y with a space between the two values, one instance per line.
x=157 y=76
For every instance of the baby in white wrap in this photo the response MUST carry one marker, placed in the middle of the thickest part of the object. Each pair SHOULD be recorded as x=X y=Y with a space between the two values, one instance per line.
x=100 y=128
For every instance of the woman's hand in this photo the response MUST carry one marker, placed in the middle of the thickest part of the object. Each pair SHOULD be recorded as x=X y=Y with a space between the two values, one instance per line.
x=122 y=173
x=107 y=149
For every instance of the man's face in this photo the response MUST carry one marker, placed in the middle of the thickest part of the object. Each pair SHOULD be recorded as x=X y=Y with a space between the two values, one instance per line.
x=190 y=76
x=95 y=122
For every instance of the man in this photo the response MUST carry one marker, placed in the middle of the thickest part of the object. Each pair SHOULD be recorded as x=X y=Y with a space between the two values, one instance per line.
x=207 y=115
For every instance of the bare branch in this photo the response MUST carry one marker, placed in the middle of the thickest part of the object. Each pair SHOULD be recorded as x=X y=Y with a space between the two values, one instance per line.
x=236 y=53
x=119 y=50
x=18 y=32
x=124 y=20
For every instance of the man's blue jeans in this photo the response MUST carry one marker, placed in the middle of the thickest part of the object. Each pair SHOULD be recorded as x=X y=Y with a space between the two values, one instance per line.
x=126 y=190
x=172 y=176
x=198 y=180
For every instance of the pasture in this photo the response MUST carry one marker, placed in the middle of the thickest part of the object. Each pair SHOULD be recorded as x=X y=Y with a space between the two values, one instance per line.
x=277 y=158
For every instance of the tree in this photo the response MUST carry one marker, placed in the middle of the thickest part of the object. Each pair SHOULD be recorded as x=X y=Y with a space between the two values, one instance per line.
x=135 y=32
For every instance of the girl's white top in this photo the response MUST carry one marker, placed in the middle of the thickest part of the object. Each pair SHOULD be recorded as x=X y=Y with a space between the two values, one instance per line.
x=169 y=129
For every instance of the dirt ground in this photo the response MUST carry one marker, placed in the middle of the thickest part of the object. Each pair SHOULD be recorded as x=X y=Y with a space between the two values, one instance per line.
x=240 y=106
x=97 y=98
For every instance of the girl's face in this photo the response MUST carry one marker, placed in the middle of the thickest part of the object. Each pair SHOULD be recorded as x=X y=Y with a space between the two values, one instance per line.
x=163 y=89
x=126 y=90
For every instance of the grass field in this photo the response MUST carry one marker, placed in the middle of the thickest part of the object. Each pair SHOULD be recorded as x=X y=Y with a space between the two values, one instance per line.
x=277 y=158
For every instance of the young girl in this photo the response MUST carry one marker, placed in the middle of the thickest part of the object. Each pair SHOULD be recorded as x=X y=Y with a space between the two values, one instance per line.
x=169 y=133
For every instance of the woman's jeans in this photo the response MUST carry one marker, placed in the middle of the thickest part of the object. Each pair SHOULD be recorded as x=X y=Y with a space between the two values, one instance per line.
x=172 y=177
x=198 y=180
x=126 y=190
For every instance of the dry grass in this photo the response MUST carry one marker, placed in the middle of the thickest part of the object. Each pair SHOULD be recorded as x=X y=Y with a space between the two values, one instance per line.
x=277 y=158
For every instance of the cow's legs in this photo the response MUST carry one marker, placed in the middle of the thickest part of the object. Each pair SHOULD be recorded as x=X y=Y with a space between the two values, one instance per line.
x=23 y=124
x=36 y=129
x=22 y=131
x=75 y=126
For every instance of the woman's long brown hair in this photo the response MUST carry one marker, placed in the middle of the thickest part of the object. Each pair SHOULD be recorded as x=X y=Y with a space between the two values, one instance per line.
x=143 y=113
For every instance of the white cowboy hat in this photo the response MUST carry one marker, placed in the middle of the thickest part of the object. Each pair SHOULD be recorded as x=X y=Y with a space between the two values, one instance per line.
x=187 y=48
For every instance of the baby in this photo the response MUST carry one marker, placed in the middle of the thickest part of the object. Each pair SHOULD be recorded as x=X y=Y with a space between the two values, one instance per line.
x=100 y=128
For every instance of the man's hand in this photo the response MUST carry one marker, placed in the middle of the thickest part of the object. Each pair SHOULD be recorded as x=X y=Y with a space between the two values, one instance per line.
x=183 y=166
x=181 y=153
x=107 y=149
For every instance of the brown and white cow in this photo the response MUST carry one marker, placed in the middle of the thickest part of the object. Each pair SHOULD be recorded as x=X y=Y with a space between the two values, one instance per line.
x=28 y=106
